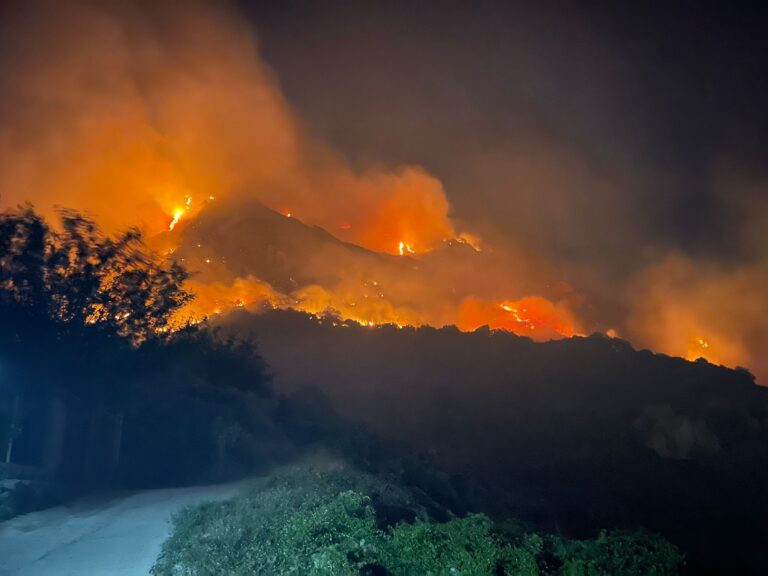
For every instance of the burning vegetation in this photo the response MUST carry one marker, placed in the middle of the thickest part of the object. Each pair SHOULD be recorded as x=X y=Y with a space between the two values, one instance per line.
x=139 y=150
x=154 y=118
x=120 y=401
x=411 y=330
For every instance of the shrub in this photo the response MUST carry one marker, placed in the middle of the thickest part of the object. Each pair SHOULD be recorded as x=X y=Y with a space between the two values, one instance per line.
x=317 y=523
x=278 y=531
x=459 y=546
x=635 y=554
x=295 y=522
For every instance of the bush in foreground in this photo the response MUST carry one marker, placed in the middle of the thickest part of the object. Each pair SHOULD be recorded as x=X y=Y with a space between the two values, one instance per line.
x=339 y=522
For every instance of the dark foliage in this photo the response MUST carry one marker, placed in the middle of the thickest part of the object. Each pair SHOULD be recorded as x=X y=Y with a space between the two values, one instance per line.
x=79 y=275
x=577 y=435
x=85 y=341
x=323 y=520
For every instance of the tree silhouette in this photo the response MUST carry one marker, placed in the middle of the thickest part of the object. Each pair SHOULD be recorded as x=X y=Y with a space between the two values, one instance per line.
x=107 y=388
x=79 y=275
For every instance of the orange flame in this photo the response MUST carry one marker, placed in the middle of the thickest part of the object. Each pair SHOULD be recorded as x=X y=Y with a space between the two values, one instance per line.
x=218 y=126
x=176 y=217
x=531 y=316
x=179 y=212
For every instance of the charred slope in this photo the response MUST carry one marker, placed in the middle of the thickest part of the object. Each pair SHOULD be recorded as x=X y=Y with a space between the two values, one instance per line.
x=579 y=434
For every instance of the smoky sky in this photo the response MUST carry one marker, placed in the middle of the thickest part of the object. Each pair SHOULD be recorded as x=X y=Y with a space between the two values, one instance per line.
x=623 y=141
x=616 y=151
x=648 y=96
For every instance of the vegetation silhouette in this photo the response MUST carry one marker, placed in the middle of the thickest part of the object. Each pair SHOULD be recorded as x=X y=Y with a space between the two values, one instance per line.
x=95 y=389
x=76 y=275
x=573 y=436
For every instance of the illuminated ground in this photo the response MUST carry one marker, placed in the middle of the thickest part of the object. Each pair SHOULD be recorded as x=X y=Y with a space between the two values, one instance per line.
x=115 y=536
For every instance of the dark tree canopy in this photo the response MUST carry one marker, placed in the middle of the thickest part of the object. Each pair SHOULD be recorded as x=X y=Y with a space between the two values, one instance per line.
x=78 y=274
x=90 y=352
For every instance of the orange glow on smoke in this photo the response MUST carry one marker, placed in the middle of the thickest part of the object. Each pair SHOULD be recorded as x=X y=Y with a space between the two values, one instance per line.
x=212 y=298
x=395 y=211
x=531 y=316
x=167 y=111
x=700 y=347
x=151 y=108
x=254 y=295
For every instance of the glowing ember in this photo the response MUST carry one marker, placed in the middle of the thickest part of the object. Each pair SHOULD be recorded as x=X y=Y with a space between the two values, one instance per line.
x=516 y=315
x=404 y=248
x=470 y=240
x=700 y=347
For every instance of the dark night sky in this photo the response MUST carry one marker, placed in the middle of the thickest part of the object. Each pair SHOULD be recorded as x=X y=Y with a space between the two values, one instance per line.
x=650 y=97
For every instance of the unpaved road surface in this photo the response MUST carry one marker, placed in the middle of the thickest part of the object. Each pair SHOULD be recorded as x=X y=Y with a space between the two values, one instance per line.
x=117 y=535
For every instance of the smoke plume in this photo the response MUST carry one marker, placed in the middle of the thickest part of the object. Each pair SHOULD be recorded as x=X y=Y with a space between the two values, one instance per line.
x=166 y=115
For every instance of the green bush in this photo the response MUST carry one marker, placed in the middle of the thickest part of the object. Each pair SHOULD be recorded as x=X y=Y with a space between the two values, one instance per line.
x=327 y=523
x=521 y=560
x=295 y=522
x=275 y=532
x=636 y=554
x=459 y=546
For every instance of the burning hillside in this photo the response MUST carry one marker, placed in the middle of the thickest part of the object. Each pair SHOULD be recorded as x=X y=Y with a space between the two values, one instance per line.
x=228 y=191
x=287 y=264
x=173 y=121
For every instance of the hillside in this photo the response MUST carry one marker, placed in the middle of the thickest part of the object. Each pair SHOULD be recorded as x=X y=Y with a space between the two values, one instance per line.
x=289 y=264
x=577 y=434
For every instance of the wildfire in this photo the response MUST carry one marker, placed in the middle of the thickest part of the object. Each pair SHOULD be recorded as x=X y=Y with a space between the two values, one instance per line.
x=395 y=298
x=176 y=217
x=516 y=316
x=470 y=240
x=214 y=298
x=179 y=212
x=531 y=316
x=208 y=128
x=700 y=347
